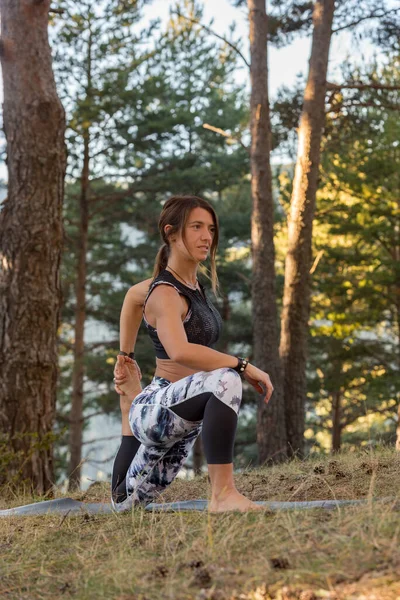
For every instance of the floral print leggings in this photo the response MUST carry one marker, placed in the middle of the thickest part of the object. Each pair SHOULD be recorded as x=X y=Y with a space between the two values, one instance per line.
x=166 y=438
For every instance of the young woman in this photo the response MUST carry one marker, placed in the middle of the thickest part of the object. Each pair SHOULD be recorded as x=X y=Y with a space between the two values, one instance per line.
x=195 y=388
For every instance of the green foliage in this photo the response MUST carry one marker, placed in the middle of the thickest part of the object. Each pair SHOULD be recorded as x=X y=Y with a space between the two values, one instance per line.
x=354 y=323
x=355 y=305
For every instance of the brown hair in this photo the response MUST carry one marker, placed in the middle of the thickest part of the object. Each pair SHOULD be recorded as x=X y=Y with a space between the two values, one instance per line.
x=175 y=212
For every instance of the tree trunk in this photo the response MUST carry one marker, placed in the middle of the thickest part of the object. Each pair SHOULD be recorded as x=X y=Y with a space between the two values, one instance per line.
x=271 y=434
x=336 y=422
x=296 y=298
x=30 y=243
x=198 y=456
x=76 y=415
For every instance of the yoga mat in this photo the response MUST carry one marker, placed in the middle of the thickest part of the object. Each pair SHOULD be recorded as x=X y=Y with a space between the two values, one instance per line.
x=64 y=505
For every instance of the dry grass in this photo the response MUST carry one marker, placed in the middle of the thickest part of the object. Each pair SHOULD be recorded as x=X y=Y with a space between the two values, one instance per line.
x=345 y=554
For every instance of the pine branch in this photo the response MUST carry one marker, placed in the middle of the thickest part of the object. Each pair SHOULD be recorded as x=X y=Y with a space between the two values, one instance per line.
x=141 y=186
x=95 y=414
x=389 y=250
x=227 y=135
x=379 y=358
x=91 y=346
x=243 y=277
x=360 y=86
x=316 y=261
x=209 y=30
x=94 y=345
x=373 y=15
x=104 y=439
x=92 y=461
x=337 y=109
x=378 y=411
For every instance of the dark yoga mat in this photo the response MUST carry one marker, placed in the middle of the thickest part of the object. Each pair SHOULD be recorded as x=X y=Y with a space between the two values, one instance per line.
x=68 y=505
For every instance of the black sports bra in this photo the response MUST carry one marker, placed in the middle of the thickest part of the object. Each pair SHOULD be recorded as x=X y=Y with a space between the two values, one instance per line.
x=202 y=323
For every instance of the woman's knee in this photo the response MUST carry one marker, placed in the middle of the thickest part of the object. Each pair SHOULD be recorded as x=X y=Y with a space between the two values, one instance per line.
x=229 y=376
x=225 y=384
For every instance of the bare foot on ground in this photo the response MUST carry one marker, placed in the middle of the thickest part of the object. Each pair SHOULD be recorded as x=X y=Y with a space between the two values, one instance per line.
x=233 y=501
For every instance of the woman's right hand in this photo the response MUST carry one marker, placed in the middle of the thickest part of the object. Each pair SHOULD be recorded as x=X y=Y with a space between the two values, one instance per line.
x=258 y=379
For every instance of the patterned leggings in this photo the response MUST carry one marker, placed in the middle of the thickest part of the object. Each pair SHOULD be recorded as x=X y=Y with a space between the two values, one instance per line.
x=166 y=438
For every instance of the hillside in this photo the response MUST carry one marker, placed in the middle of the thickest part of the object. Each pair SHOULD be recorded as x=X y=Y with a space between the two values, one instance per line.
x=346 y=553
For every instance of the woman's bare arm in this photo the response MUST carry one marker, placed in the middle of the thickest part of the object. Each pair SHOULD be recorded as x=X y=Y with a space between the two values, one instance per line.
x=132 y=314
x=130 y=320
x=166 y=307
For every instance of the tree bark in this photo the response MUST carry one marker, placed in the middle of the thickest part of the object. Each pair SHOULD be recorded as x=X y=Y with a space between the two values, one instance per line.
x=30 y=243
x=271 y=433
x=78 y=373
x=296 y=298
x=336 y=421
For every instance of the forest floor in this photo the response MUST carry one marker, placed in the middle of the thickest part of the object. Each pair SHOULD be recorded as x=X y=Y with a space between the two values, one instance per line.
x=349 y=553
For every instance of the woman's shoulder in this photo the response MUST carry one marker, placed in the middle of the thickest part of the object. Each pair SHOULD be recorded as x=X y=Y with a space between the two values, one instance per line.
x=138 y=292
x=168 y=278
x=166 y=285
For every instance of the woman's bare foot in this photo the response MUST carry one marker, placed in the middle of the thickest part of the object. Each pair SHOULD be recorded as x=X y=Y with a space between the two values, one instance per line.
x=232 y=500
x=127 y=385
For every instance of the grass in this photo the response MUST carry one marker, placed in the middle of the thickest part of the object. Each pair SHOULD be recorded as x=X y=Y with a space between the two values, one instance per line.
x=345 y=554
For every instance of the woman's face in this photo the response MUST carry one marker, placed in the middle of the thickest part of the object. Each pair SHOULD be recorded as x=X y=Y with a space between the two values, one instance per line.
x=199 y=234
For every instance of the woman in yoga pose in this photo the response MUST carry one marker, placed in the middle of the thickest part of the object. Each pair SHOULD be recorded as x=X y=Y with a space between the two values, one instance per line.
x=195 y=388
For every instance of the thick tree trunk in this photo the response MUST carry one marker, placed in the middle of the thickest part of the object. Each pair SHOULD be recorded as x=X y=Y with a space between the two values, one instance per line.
x=76 y=415
x=296 y=299
x=336 y=421
x=271 y=433
x=30 y=243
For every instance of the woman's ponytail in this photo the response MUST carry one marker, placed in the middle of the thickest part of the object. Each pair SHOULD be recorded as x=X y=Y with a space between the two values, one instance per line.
x=161 y=260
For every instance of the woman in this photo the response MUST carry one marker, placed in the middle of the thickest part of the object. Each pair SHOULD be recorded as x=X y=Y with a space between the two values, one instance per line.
x=195 y=388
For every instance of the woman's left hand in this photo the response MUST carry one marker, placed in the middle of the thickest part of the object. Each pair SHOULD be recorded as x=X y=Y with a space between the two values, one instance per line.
x=259 y=380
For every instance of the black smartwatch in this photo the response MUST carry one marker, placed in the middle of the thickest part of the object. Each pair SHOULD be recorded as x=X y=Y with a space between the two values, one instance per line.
x=130 y=355
x=242 y=364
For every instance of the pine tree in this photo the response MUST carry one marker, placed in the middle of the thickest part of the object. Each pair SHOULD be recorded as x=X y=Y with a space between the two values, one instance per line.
x=271 y=431
x=355 y=303
x=30 y=245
